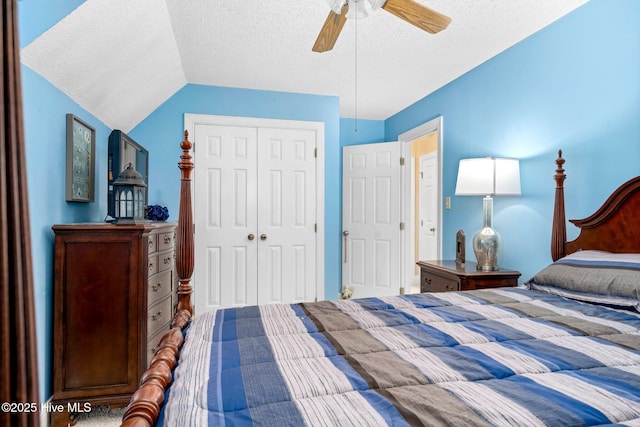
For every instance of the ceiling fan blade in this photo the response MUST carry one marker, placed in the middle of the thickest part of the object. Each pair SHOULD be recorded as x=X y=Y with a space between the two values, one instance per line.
x=331 y=30
x=418 y=15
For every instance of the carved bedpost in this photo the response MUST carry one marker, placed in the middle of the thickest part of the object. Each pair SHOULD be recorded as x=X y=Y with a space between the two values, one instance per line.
x=144 y=408
x=184 y=244
x=559 y=226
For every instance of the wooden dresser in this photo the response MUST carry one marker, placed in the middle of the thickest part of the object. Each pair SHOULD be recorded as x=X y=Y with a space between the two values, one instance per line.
x=114 y=292
x=443 y=276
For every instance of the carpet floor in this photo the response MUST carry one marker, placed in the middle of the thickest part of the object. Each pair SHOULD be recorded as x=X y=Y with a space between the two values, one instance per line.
x=100 y=416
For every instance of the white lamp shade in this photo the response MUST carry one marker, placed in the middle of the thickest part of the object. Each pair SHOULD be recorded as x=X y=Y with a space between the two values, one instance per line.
x=488 y=177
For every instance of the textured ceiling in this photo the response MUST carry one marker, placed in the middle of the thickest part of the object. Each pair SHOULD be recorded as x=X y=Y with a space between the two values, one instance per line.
x=121 y=59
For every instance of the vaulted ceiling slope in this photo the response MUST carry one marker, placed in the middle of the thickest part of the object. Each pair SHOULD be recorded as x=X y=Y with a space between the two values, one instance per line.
x=121 y=59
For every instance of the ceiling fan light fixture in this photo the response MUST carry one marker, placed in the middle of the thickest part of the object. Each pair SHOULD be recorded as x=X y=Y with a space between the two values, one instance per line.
x=336 y=5
x=377 y=4
x=408 y=10
x=357 y=8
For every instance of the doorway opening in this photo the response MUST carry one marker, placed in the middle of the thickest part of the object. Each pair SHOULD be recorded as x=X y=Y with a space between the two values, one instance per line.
x=422 y=205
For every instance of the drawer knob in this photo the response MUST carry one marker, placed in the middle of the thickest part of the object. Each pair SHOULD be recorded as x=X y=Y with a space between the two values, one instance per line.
x=167 y=240
x=150 y=266
x=167 y=260
x=156 y=316
x=157 y=286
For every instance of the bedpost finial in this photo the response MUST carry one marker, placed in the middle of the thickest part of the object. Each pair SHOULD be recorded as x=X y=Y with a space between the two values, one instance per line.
x=559 y=228
x=186 y=161
x=186 y=144
x=559 y=170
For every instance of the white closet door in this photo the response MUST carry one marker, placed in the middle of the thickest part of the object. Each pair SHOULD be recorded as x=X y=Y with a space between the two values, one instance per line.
x=226 y=216
x=255 y=213
x=371 y=219
x=286 y=215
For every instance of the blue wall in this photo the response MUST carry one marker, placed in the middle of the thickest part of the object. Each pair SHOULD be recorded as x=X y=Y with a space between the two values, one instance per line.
x=574 y=86
x=45 y=109
x=360 y=132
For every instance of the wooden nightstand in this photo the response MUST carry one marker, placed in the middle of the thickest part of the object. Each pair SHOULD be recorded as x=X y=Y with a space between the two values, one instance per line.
x=443 y=276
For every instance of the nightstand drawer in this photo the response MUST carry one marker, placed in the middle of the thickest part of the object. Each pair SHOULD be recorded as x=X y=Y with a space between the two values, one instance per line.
x=482 y=283
x=430 y=282
x=445 y=275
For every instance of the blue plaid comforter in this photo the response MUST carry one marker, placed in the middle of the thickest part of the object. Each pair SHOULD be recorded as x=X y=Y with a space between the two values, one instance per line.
x=504 y=357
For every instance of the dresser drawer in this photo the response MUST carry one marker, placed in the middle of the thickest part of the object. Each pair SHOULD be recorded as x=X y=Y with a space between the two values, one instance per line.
x=159 y=286
x=152 y=264
x=430 y=282
x=154 y=342
x=152 y=243
x=158 y=315
x=165 y=240
x=165 y=260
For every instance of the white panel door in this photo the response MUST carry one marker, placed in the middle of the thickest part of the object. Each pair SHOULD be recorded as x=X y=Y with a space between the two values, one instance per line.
x=255 y=215
x=371 y=219
x=226 y=217
x=428 y=211
x=286 y=215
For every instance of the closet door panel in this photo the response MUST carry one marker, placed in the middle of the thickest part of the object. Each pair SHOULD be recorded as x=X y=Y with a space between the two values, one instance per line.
x=226 y=216
x=287 y=215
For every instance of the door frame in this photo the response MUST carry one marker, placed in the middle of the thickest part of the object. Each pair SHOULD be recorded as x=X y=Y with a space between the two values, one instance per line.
x=190 y=122
x=406 y=238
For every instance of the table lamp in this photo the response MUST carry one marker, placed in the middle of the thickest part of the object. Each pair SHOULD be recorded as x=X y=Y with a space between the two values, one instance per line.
x=488 y=177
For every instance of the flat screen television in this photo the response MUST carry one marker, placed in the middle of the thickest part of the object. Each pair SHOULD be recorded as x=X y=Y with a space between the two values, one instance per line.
x=123 y=150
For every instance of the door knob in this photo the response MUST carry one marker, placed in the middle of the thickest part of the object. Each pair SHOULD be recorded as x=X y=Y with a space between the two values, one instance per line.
x=345 y=233
x=263 y=237
x=432 y=229
x=251 y=237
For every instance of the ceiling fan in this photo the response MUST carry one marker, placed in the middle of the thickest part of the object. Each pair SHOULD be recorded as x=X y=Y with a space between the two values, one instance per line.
x=408 y=10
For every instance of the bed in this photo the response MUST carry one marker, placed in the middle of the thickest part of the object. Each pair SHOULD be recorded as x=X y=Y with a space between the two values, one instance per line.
x=562 y=350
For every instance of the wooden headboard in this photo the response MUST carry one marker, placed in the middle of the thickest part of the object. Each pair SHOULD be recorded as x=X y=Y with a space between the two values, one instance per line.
x=614 y=227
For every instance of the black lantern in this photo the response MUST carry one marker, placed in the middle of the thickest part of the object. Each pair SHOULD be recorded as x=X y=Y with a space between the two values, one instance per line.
x=129 y=191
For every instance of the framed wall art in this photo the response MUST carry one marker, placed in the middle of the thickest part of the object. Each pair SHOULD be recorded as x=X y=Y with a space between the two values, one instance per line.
x=81 y=159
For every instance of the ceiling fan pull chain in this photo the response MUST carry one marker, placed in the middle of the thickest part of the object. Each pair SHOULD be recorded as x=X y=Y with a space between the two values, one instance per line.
x=356 y=77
